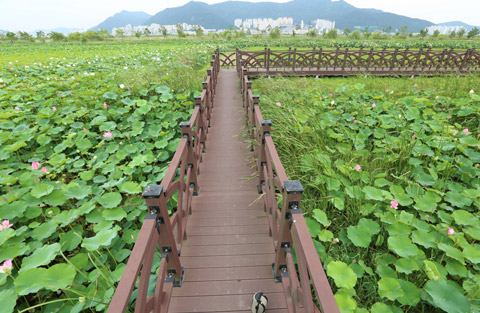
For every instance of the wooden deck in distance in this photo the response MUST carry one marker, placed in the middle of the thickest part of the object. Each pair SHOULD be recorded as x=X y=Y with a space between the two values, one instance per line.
x=228 y=251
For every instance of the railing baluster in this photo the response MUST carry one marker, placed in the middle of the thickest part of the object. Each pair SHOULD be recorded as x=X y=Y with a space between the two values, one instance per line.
x=159 y=293
x=144 y=281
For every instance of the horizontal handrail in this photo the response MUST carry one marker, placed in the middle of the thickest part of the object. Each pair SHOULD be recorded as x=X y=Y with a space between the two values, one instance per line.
x=357 y=61
x=287 y=224
x=158 y=226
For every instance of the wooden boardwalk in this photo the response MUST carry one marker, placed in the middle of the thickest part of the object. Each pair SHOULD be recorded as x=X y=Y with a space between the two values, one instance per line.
x=228 y=251
x=225 y=241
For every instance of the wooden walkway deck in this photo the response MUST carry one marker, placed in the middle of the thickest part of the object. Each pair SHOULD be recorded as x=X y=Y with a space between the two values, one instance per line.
x=228 y=251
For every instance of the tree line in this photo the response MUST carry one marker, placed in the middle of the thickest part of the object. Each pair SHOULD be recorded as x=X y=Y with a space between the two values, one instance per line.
x=56 y=36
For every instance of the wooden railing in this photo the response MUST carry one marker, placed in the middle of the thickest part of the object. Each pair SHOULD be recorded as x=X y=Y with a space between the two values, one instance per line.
x=159 y=229
x=355 y=62
x=287 y=224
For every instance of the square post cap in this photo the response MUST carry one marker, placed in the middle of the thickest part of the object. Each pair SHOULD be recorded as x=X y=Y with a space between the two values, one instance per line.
x=184 y=124
x=152 y=191
x=266 y=122
x=293 y=186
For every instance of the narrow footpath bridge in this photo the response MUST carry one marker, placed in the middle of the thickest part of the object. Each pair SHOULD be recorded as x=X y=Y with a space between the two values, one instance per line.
x=243 y=235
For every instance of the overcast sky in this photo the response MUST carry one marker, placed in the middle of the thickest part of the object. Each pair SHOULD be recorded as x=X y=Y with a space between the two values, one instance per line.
x=29 y=15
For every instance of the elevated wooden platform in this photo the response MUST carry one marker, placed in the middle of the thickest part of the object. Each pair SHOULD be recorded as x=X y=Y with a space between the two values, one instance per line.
x=228 y=251
x=224 y=241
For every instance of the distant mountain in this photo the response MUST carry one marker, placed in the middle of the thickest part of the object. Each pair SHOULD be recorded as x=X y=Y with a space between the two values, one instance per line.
x=458 y=23
x=222 y=15
x=194 y=13
x=122 y=19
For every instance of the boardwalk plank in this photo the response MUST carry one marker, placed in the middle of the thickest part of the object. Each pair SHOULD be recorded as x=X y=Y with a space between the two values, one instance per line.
x=228 y=252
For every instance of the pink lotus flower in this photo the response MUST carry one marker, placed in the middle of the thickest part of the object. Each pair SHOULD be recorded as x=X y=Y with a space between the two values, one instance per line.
x=373 y=105
x=358 y=167
x=450 y=231
x=331 y=95
x=54 y=108
x=465 y=131
x=306 y=124
x=6 y=267
x=5 y=199
x=37 y=180
x=5 y=224
x=105 y=105
x=278 y=104
x=413 y=136
x=84 y=129
x=35 y=165
x=17 y=109
x=449 y=116
x=108 y=135
x=394 y=204
x=454 y=132
x=354 y=121
x=44 y=170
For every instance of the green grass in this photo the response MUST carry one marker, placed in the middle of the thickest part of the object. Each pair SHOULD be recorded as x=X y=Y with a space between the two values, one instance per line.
x=434 y=176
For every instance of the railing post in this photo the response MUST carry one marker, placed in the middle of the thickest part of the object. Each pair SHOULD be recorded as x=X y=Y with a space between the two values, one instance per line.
x=292 y=196
x=213 y=74
x=267 y=59
x=201 y=129
x=155 y=199
x=312 y=63
x=319 y=58
x=191 y=157
x=251 y=118
x=335 y=64
x=211 y=90
x=419 y=55
x=345 y=56
x=251 y=110
x=207 y=102
x=466 y=58
x=249 y=87
x=294 y=59
x=261 y=155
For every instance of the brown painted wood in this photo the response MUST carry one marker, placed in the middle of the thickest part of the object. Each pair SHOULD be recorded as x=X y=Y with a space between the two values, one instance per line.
x=229 y=273
x=227 y=240
x=228 y=252
x=227 y=260
x=241 y=249
x=225 y=303
x=231 y=287
x=227 y=230
x=195 y=221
